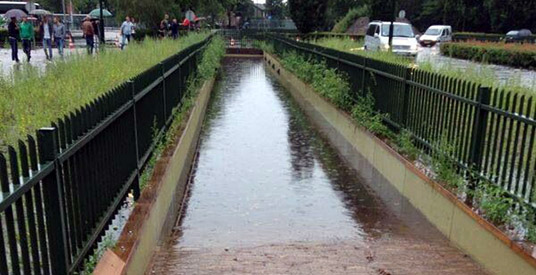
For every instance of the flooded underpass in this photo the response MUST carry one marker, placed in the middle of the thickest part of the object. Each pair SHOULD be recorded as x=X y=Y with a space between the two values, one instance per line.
x=270 y=195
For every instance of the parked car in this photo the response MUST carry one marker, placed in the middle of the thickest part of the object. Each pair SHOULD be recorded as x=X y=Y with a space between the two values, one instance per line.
x=435 y=34
x=523 y=35
x=404 y=41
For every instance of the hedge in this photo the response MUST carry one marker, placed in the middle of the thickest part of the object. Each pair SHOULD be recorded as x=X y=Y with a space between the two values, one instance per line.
x=515 y=55
x=485 y=37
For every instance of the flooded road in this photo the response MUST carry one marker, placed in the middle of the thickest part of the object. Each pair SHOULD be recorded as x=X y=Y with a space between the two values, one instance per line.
x=504 y=74
x=269 y=195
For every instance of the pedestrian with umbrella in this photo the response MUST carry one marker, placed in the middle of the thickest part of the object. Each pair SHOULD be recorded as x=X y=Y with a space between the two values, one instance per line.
x=27 y=36
x=13 y=33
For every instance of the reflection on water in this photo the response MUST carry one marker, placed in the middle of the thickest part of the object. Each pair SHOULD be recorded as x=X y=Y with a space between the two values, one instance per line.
x=264 y=175
x=504 y=74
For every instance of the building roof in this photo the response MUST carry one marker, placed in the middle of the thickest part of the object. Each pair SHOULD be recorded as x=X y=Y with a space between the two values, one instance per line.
x=261 y=7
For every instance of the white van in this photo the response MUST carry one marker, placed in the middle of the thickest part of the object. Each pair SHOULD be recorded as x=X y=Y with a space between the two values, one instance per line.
x=404 y=41
x=435 y=34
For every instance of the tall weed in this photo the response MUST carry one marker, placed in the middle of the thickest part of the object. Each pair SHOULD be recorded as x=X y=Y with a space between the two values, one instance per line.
x=31 y=100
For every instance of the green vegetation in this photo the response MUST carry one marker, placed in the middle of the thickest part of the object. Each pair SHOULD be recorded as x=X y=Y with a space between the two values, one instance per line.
x=263 y=45
x=495 y=203
x=328 y=82
x=352 y=15
x=345 y=44
x=91 y=263
x=511 y=54
x=406 y=145
x=364 y=114
x=32 y=100
x=445 y=167
x=335 y=87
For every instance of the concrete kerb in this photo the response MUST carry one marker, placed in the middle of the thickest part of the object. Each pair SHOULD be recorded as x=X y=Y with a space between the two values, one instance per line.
x=150 y=218
x=477 y=237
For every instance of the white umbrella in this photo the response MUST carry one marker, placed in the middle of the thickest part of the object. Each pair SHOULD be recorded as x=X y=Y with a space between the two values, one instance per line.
x=14 y=13
x=40 y=12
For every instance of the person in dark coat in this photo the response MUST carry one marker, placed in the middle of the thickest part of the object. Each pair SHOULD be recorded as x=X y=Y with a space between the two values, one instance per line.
x=174 y=28
x=13 y=33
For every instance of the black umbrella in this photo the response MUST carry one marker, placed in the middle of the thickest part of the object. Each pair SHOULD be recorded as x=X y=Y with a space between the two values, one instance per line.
x=15 y=13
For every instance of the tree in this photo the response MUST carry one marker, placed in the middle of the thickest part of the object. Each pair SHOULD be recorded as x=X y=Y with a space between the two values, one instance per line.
x=308 y=15
x=275 y=8
x=382 y=10
x=337 y=9
x=147 y=12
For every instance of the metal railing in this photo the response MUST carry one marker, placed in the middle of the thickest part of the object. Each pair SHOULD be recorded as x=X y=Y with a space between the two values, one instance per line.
x=61 y=191
x=492 y=131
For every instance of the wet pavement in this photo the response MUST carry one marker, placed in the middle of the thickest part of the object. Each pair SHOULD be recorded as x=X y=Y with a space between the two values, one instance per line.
x=504 y=74
x=38 y=60
x=269 y=195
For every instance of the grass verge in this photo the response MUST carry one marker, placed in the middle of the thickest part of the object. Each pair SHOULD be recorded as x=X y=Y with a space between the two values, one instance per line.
x=478 y=74
x=31 y=100
x=510 y=54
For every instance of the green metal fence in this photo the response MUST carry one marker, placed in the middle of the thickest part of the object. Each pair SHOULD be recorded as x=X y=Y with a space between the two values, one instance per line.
x=62 y=189
x=492 y=131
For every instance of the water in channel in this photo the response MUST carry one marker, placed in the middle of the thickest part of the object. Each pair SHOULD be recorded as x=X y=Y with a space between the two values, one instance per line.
x=269 y=195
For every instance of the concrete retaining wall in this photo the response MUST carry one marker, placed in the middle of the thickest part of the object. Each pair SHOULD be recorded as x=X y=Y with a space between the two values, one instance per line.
x=391 y=175
x=154 y=212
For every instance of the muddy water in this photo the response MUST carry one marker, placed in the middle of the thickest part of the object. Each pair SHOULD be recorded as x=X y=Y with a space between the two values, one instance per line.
x=269 y=191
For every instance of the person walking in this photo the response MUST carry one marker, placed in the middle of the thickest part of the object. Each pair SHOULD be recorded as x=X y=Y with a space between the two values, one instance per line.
x=134 y=26
x=13 y=33
x=45 y=29
x=125 y=32
x=174 y=28
x=162 y=29
x=26 y=35
x=89 y=32
x=59 y=34
x=166 y=24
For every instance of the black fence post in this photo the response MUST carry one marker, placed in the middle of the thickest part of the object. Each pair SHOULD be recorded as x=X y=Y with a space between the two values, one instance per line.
x=136 y=182
x=363 y=93
x=478 y=136
x=163 y=74
x=405 y=98
x=53 y=201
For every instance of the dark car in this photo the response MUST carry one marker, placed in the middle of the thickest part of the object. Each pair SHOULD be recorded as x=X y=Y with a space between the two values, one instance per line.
x=519 y=36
